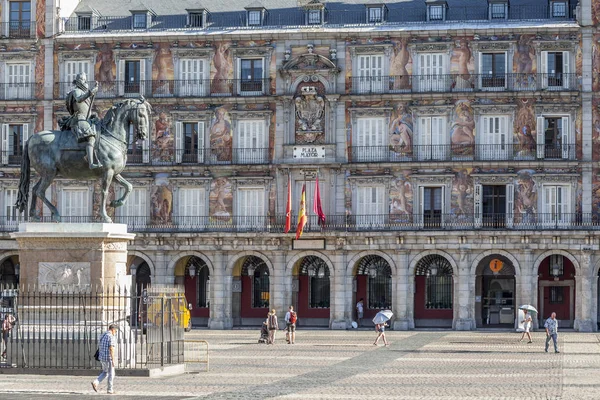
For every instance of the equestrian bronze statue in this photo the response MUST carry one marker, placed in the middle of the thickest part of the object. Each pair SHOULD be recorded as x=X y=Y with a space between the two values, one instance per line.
x=61 y=153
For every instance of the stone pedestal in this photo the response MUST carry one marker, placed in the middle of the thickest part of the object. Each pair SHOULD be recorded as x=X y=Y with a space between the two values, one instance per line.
x=74 y=255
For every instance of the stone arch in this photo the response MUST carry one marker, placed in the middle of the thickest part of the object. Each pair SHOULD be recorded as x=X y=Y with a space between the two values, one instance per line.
x=8 y=254
x=541 y=257
x=486 y=253
x=353 y=263
x=181 y=254
x=144 y=257
x=327 y=84
x=596 y=269
x=289 y=268
x=418 y=257
x=236 y=257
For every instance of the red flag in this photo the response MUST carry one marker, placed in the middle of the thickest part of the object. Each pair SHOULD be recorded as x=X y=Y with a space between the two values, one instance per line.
x=301 y=213
x=288 y=207
x=317 y=209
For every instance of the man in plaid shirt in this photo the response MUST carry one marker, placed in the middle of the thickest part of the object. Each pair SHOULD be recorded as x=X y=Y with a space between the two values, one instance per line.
x=106 y=348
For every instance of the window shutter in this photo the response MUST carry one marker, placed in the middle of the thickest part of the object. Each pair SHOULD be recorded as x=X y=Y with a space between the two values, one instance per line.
x=179 y=145
x=360 y=133
x=443 y=218
x=146 y=150
x=421 y=206
x=25 y=135
x=478 y=212
x=544 y=69
x=565 y=139
x=200 y=141
x=510 y=205
x=143 y=76
x=481 y=72
x=5 y=144
x=425 y=138
x=541 y=141
x=549 y=201
x=121 y=78
x=10 y=198
x=201 y=79
x=566 y=70
x=503 y=136
x=486 y=144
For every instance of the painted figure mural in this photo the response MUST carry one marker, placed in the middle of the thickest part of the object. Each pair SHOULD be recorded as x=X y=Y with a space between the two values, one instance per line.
x=401 y=131
x=163 y=69
x=401 y=198
x=524 y=134
x=461 y=63
x=462 y=131
x=525 y=197
x=462 y=193
x=161 y=204
x=221 y=135
x=221 y=200
x=222 y=69
x=524 y=62
x=163 y=143
x=399 y=66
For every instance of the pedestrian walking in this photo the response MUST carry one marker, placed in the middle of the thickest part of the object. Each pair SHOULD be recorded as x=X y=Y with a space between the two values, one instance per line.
x=272 y=325
x=290 y=325
x=359 y=311
x=551 y=326
x=7 y=324
x=107 y=357
x=380 y=329
x=527 y=321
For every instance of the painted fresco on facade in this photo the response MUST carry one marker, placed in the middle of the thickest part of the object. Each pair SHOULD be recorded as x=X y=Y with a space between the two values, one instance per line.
x=462 y=63
x=163 y=141
x=105 y=68
x=525 y=63
x=401 y=198
x=525 y=197
x=524 y=129
x=462 y=194
x=595 y=129
x=400 y=65
x=401 y=131
x=39 y=72
x=163 y=70
x=40 y=18
x=222 y=69
x=221 y=200
x=221 y=135
x=596 y=195
x=462 y=129
x=596 y=12
x=161 y=203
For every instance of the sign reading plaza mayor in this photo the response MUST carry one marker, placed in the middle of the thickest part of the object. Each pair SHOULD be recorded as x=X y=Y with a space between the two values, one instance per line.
x=309 y=152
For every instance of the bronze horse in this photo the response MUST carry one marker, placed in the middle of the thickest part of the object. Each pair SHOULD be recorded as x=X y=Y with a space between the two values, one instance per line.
x=57 y=153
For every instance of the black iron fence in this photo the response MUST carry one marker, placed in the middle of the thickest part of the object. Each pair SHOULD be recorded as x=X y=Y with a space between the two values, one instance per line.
x=400 y=221
x=463 y=152
x=59 y=327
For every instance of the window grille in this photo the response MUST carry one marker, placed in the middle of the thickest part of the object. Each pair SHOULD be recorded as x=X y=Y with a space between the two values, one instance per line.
x=318 y=273
x=259 y=271
x=379 y=286
x=438 y=282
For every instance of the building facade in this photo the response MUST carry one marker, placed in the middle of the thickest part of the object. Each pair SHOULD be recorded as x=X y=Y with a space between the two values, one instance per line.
x=456 y=146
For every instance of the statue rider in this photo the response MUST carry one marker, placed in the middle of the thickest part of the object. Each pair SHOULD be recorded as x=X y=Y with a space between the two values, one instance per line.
x=79 y=104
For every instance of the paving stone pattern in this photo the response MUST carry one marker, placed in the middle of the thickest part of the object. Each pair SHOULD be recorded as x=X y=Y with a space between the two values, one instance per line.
x=345 y=365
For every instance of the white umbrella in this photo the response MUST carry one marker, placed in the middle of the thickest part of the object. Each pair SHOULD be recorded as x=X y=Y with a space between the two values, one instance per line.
x=382 y=317
x=529 y=308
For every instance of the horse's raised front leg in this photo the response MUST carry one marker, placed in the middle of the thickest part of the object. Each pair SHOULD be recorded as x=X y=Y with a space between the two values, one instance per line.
x=39 y=190
x=106 y=181
x=128 y=188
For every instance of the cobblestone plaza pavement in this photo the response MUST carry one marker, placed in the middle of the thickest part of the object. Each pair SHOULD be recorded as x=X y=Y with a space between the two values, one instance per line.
x=346 y=365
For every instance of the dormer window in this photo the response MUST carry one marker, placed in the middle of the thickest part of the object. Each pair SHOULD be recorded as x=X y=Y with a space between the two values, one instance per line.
x=436 y=10
x=196 y=18
x=314 y=17
x=140 y=20
x=375 y=14
x=558 y=9
x=254 y=18
x=84 y=22
x=498 y=9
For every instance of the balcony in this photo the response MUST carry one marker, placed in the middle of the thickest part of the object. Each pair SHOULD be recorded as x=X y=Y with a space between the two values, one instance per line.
x=177 y=88
x=453 y=152
x=451 y=83
x=18 y=30
x=216 y=156
x=19 y=91
x=336 y=15
x=346 y=223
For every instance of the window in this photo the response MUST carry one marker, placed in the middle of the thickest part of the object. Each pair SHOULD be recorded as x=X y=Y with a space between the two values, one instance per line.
x=14 y=137
x=318 y=281
x=432 y=139
x=195 y=19
x=375 y=14
x=371 y=206
x=84 y=22
x=559 y=9
x=251 y=208
x=132 y=76
x=438 y=282
x=555 y=70
x=251 y=142
x=498 y=11
x=11 y=213
x=192 y=78
x=140 y=20
x=370 y=139
x=189 y=142
x=436 y=13
x=556 y=205
x=431 y=73
x=495 y=139
x=558 y=261
x=19 y=23
x=557 y=294
x=134 y=212
x=251 y=76
x=370 y=73
x=314 y=17
x=258 y=272
x=71 y=69
x=254 y=18
x=493 y=70
x=379 y=281
x=18 y=81
x=432 y=206
x=191 y=207
x=494 y=206
x=553 y=138
x=75 y=205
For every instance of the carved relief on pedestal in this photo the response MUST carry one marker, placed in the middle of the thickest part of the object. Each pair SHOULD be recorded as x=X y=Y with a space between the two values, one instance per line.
x=310 y=112
x=64 y=273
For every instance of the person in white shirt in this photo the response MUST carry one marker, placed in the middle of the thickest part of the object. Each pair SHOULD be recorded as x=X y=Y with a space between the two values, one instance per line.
x=527 y=321
x=359 y=311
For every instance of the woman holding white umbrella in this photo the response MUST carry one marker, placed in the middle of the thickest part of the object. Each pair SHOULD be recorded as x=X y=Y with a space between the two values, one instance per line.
x=380 y=323
x=527 y=321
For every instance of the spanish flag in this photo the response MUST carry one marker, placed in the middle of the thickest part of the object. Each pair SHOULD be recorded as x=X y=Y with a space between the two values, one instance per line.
x=302 y=213
x=288 y=206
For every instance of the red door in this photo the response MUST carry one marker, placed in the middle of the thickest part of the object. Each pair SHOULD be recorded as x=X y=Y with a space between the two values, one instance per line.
x=556 y=299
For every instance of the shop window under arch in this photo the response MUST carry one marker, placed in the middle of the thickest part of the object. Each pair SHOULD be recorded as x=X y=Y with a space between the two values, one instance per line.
x=258 y=270
x=198 y=268
x=318 y=273
x=379 y=286
x=438 y=284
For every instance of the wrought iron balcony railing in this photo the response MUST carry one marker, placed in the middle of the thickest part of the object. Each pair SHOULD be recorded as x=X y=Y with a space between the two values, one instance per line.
x=431 y=220
x=459 y=152
x=177 y=88
x=510 y=82
x=334 y=16
x=215 y=156
x=17 y=30
x=19 y=91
